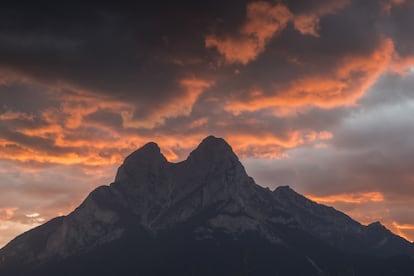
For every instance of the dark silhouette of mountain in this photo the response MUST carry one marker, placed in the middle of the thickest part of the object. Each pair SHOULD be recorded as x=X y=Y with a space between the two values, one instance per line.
x=202 y=216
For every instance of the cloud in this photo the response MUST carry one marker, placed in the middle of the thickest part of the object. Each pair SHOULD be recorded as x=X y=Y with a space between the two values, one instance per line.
x=263 y=21
x=307 y=23
x=347 y=82
x=269 y=145
x=11 y=116
x=349 y=198
x=7 y=213
x=181 y=106
x=404 y=230
x=34 y=194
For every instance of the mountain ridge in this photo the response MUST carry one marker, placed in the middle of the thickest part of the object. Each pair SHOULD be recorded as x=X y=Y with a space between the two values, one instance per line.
x=208 y=196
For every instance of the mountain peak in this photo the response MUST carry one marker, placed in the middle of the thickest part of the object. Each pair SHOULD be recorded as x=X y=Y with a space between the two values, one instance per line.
x=149 y=152
x=212 y=138
x=211 y=142
x=147 y=156
x=151 y=145
x=213 y=149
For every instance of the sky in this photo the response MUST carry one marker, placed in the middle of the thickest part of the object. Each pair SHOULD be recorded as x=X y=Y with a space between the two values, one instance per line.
x=318 y=95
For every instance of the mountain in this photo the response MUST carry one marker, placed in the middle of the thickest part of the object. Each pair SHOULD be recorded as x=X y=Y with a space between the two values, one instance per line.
x=202 y=216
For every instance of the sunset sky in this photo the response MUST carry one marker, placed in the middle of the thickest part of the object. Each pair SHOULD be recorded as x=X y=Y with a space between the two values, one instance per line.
x=318 y=95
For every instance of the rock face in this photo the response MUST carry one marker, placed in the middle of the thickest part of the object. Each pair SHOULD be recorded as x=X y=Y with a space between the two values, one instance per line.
x=202 y=216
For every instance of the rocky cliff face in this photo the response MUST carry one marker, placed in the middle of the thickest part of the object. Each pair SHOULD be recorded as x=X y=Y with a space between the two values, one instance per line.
x=209 y=193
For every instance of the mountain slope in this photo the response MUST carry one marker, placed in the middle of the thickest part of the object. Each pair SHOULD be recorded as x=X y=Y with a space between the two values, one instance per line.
x=202 y=216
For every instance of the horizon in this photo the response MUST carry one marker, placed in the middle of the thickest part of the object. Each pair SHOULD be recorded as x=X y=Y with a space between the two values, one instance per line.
x=317 y=95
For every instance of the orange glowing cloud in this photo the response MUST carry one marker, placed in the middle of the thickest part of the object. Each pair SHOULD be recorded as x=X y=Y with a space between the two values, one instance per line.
x=348 y=198
x=307 y=24
x=78 y=105
x=179 y=106
x=11 y=115
x=14 y=221
x=325 y=135
x=25 y=154
x=404 y=230
x=9 y=228
x=346 y=83
x=67 y=137
x=103 y=147
x=272 y=146
x=7 y=213
x=366 y=208
x=263 y=21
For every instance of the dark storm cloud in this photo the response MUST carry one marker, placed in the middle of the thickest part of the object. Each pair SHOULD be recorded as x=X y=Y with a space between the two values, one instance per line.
x=17 y=96
x=399 y=26
x=139 y=53
x=135 y=51
x=105 y=118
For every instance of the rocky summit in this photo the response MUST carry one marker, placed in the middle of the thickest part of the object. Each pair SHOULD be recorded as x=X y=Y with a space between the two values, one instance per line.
x=202 y=216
